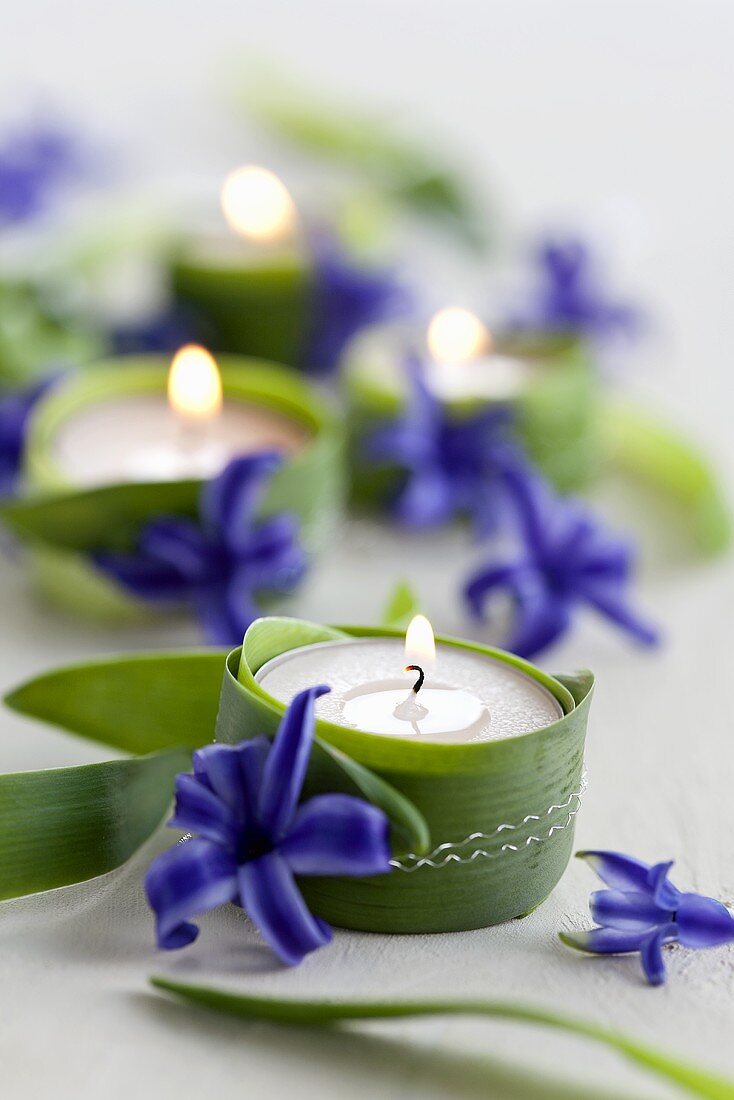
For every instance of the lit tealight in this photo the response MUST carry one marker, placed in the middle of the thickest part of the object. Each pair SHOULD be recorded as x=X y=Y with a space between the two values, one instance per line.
x=194 y=384
x=456 y=335
x=462 y=364
x=420 y=644
x=257 y=204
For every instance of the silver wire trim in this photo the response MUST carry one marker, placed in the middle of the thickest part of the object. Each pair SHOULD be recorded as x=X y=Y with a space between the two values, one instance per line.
x=450 y=852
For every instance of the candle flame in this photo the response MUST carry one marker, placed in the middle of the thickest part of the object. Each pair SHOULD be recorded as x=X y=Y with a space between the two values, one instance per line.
x=257 y=204
x=194 y=384
x=420 y=646
x=456 y=335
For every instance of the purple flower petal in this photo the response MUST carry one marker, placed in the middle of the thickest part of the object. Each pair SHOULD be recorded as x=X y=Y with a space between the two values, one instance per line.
x=184 y=882
x=533 y=503
x=199 y=810
x=540 y=618
x=426 y=501
x=336 y=834
x=703 y=922
x=482 y=583
x=228 y=502
x=273 y=559
x=619 y=871
x=177 y=543
x=605 y=941
x=275 y=905
x=608 y=598
x=223 y=620
x=286 y=765
x=651 y=954
x=146 y=579
x=666 y=895
x=628 y=910
x=234 y=773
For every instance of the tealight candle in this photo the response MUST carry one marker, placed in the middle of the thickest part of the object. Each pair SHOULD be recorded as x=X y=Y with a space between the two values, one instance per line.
x=546 y=381
x=129 y=440
x=250 y=285
x=462 y=363
x=458 y=695
x=189 y=433
x=488 y=748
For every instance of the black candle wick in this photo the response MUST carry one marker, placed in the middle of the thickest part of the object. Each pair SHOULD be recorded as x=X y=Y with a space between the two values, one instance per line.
x=421 y=677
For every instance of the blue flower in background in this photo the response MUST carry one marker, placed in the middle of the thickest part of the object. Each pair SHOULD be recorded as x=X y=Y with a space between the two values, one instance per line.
x=643 y=910
x=15 y=410
x=165 y=332
x=34 y=164
x=221 y=563
x=253 y=838
x=566 y=559
x=452 y=465
x=346 y=299
x=570 y=296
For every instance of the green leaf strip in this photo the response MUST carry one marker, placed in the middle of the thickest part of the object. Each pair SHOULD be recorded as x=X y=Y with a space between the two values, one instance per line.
x=66 y=825
x=695 y=1081
x=658 y=456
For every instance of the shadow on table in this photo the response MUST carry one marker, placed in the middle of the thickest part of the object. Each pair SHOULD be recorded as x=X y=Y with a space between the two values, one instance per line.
x=392 y=1066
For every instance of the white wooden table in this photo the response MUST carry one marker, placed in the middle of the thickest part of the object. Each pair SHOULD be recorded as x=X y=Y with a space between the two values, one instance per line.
x=569 y=106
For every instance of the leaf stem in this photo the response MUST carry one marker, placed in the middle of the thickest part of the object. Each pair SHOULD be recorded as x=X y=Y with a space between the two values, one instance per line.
x=697 y=1082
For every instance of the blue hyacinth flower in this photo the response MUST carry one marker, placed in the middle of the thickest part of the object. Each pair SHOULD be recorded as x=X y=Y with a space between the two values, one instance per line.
x=565 y=560
x=252 y=839
x=219 y=564
x=34 y=165
x=15 y=411
x=451 y=466
x=345 y=299
x=569 y=295
x=642 y=911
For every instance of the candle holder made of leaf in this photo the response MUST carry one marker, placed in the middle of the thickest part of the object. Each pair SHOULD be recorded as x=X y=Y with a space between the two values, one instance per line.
x=555 y=417
x=500 y=813
x=63 y=524
x=258 y=306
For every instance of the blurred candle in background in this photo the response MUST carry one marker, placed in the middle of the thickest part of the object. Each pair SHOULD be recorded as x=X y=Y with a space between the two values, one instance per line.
x=462 y=362
x=147 y=430
x=247 y=286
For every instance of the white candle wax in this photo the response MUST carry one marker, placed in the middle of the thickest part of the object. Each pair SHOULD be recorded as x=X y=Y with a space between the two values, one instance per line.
x=379 y=356
x=140 y=438
x=468 y=697
x=489 y=378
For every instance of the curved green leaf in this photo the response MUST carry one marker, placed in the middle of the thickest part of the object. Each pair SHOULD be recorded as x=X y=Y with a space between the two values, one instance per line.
x=65 y=825
x=409 y=830
x=656 y=455
x=401 y=608
x=695 y=1081
x=110 y=516
x=403 y=170
x=138 y=704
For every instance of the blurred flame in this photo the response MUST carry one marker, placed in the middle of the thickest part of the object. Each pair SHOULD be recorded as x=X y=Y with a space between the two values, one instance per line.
x=257 y=204
x=194 y=384
x=456 y=335
x=420 y=646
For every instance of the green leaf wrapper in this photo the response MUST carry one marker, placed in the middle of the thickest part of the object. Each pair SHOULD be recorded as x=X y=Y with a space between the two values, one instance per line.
x=65 y=825
x=301 y=1013
x=458 y=789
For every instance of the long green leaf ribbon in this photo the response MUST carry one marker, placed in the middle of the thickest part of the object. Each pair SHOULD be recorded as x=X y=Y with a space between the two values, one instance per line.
x=65 y=825
x=306 y=1012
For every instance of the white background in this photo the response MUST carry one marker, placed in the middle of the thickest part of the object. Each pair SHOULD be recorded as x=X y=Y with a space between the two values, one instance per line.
x=621 y=112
